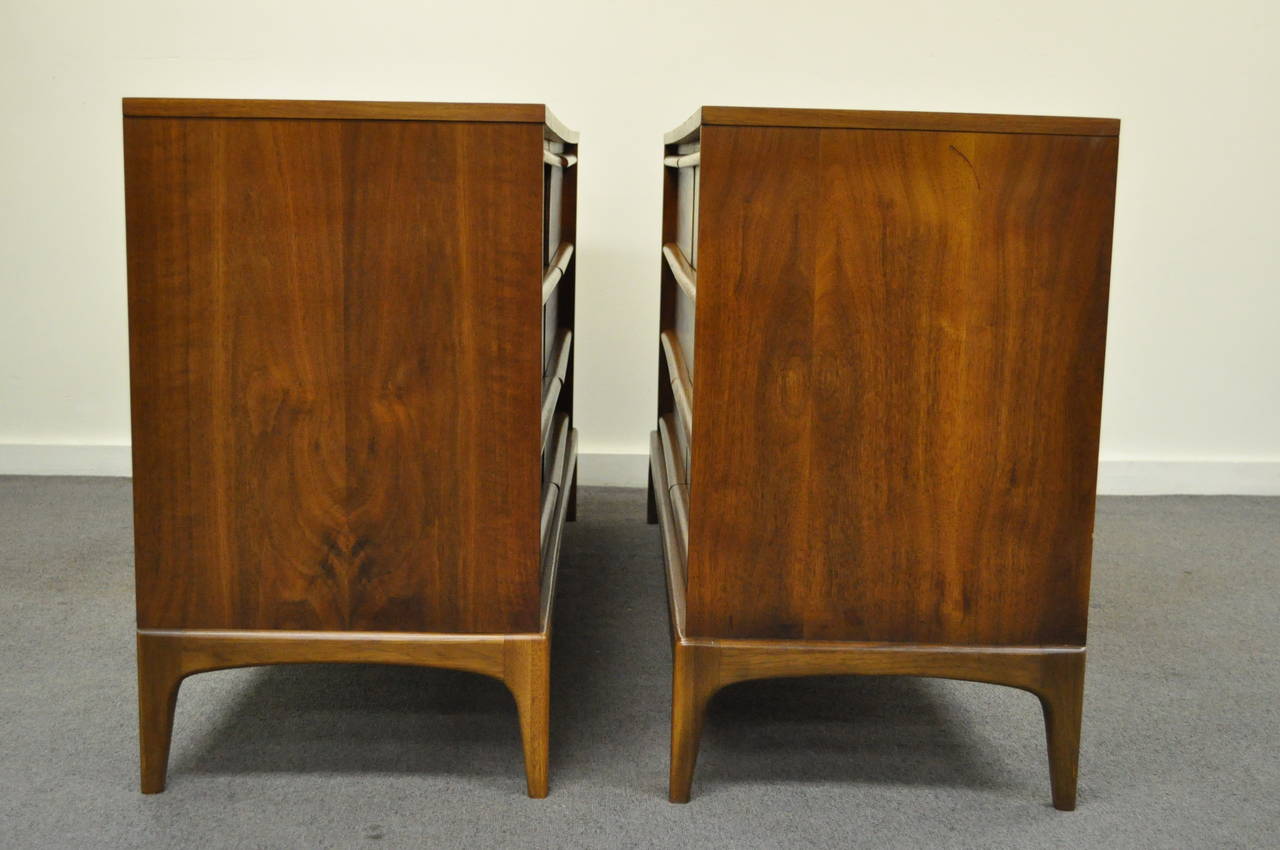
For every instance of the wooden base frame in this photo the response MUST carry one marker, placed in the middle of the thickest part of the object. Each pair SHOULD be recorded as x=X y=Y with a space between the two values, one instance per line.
x=165 y=658
x=701 y=667
x=520 y=661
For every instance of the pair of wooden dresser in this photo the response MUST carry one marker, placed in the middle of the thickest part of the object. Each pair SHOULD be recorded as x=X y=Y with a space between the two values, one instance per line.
x=351 y=345
x=880 y=380
x=351 y=340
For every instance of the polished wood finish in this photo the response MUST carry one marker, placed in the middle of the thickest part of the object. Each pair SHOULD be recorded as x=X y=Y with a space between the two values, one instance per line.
x=335 y=345
x=286 y=363
x=898 y=358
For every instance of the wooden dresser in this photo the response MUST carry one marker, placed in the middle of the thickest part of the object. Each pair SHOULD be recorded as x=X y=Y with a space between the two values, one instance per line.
x=880 y=377
x=351 y=334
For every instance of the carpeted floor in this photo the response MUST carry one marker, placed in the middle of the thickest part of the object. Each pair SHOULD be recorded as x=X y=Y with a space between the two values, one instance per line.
x=1181 y=736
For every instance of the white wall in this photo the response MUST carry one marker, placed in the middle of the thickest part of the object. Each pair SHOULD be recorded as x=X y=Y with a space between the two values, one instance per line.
x=1193 y=372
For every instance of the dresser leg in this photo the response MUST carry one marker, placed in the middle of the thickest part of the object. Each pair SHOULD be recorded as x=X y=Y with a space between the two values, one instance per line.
x=693 y=683
x=159 y=676
x=527 y=674
x=1062 y=698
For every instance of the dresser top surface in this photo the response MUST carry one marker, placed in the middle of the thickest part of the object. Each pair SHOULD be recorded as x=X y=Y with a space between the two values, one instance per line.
x=365 y=110
x=857 y=119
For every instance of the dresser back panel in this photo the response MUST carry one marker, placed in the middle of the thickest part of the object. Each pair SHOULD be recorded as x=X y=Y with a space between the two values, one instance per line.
x=335 y=368
x=900 y=341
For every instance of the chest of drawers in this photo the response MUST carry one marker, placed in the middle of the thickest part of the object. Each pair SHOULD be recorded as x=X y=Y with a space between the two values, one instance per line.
x=880 y=378
x=351 y=350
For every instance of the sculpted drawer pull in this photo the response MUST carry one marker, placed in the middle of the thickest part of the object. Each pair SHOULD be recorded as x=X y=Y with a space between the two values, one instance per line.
x=555 y=271
x=688 y=160
x=685 y=274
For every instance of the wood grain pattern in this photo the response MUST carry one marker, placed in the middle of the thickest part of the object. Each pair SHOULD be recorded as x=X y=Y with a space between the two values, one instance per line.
x=900 y=343
x=313 y=305
x=764 y=344
x=442 y=345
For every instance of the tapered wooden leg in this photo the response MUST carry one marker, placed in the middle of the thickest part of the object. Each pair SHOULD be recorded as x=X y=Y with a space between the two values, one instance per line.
x=693 y=684
x=528 y=676
x=159 y=676
x=1062 y=698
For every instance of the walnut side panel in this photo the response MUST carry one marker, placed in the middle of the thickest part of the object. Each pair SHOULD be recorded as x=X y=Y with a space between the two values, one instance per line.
x=442 y=272
x=334 y=353
x=900 y=349
x=749 y=460
x=235 y=300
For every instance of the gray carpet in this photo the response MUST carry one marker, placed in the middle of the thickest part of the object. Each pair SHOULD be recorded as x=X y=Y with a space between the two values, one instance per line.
x=1180 y=738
